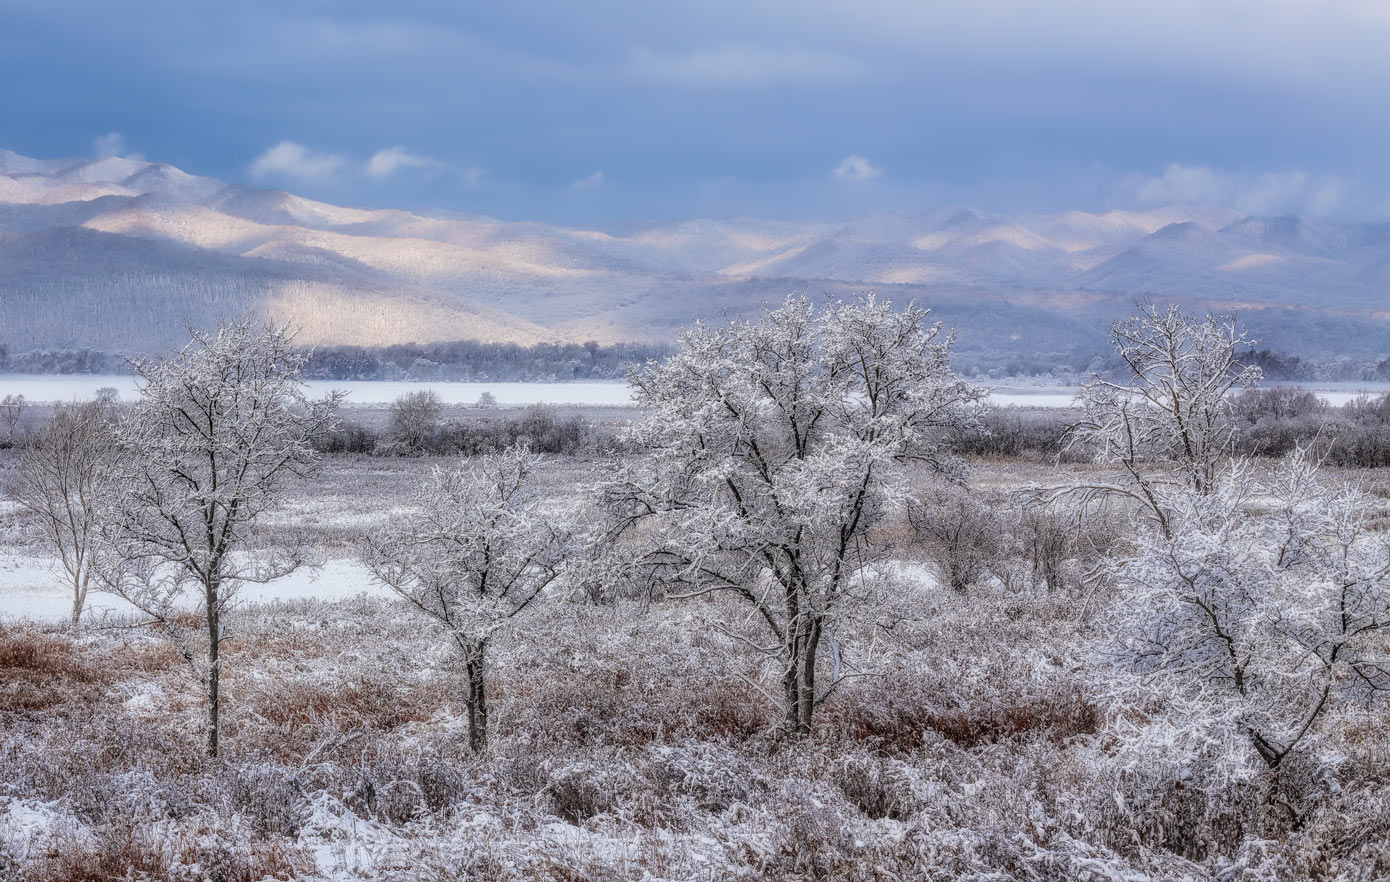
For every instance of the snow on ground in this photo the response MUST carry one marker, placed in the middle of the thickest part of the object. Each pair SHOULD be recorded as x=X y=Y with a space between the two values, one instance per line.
x=32 y=589
x=28 y=824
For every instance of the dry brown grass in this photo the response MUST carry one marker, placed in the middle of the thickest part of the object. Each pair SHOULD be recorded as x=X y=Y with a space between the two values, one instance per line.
x=902 y=724
x=38 y=671
x=125 y=852
x=368 y=704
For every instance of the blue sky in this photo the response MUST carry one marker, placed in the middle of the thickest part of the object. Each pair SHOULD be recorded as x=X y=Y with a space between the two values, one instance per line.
x=617 y=111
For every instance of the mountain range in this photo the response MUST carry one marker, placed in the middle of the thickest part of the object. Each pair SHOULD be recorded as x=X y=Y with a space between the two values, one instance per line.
x=118 y=253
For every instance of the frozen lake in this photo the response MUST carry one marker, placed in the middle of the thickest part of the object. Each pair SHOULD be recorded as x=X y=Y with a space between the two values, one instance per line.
x=1335 y=394
x=82 y=387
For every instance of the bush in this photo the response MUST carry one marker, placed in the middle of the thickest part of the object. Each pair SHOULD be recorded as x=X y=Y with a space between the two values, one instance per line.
x=546 y=430
x=1014 y=432
x=961 y=533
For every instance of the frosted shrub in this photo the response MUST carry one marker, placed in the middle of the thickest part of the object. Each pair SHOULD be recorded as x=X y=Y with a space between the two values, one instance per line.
x=962 y=534
x=1264 y=607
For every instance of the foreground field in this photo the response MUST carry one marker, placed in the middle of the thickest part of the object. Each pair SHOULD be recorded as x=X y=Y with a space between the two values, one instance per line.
x=632 y=742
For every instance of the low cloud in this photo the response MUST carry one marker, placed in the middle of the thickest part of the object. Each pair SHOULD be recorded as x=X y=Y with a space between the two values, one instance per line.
x=112 y=144
x=855 y=168
x=745 y=65
x=292 y=160
x=1261 y=193
x=588 y=182
x=385 y=163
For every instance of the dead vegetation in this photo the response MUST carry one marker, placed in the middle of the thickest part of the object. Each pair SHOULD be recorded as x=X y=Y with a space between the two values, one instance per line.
x=977 y=745
x=629 y=754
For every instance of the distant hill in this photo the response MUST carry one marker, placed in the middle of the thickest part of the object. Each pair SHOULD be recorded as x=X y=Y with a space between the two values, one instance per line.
x=116 y=254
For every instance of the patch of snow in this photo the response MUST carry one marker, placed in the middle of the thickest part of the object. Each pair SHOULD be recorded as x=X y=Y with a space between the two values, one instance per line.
x=25 y=824
x=32 y=589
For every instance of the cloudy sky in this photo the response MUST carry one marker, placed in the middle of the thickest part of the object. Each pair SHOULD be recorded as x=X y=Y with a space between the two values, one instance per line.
x=608 y=112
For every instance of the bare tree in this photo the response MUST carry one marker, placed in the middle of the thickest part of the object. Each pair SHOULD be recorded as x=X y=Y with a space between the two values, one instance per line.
x=1167 y=420
x=480 y=550
x=775 y=447
x=1266 y=604
x=415 y=418
x=12 y=409
x=60 y=479
x=206 y=450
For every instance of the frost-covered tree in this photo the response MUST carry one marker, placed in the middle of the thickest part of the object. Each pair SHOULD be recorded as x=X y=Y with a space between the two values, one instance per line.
x=415 y=418
x=1266 y=604
x=60 y=480
x=1166 y=420
x=11 y=410
x=480 y=548
x=217 y=432
x=775 y=447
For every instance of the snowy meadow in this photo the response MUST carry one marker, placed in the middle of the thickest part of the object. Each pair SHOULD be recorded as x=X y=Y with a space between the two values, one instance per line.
x=788 y=616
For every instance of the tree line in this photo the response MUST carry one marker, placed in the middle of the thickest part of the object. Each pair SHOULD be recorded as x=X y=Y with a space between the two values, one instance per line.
x=457 y=360
x=466 y=360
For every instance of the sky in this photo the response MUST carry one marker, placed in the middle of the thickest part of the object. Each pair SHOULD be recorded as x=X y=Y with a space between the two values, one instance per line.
x=614 y=112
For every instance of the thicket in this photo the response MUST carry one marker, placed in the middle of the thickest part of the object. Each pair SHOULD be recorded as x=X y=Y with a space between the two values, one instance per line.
x=541 y=425
x=1273 y=422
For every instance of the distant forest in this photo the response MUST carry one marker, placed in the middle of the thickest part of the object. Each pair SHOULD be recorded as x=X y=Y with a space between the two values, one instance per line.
x=462 y=360
x=471 y=360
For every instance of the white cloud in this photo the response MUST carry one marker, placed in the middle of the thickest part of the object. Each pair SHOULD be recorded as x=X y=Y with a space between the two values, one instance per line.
x=588 y=182
x=745 y=65
x=297 y=161
x=111 y=144
x=291 y=160
x=1261 y=193
x=385 y=163
x=855 y=168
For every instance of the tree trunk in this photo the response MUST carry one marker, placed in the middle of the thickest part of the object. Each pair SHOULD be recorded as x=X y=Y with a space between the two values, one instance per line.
x=214 y=622
x=79 y=592
x=477 y=697
x=791 y=695
x=799 y=678
x=808 y=678
x=1268 y=751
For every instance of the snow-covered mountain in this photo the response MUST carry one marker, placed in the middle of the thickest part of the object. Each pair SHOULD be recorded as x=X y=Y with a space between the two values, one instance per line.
x=118 y=253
